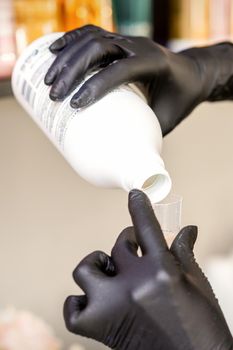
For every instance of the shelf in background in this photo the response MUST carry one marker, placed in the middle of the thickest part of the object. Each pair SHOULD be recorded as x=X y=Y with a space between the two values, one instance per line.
x=5 y=88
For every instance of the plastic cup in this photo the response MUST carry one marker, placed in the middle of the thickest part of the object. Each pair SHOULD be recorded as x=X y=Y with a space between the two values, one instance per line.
x=168 y=213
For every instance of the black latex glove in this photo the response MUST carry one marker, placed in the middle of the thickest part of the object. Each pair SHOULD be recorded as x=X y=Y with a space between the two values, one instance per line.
x=160 y=301
x=174 y=84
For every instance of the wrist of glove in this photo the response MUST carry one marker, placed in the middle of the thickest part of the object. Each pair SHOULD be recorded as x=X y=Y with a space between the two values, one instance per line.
x=158 y=301
x=216 y=69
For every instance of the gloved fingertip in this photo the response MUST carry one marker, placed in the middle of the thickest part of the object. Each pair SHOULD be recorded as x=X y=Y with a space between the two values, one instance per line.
x=50 y=76
x=54 y=97
x=71 y=304
x=186 y=238
x=137 y=198
x=76 y=104
x=82 y=101
x=136 y=194
x=48 y=80
x=190 y=235
x=57 y=92
x=108 y=266
x=57 y=97
x=57 y=45
x=72 y=309
x=53 y=50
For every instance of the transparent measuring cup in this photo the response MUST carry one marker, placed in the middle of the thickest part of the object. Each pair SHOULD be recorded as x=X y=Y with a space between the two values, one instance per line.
x=168 y=213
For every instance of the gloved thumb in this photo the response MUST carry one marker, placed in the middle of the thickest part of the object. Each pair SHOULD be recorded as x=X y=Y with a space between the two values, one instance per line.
x=182 y=247
x=182 y=250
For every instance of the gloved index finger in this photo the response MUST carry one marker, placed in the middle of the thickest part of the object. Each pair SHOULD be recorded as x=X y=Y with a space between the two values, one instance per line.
x=72 y=35
x=147 y=229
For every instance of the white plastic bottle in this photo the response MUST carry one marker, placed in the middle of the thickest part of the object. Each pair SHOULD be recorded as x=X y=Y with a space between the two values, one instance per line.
x=114 y=143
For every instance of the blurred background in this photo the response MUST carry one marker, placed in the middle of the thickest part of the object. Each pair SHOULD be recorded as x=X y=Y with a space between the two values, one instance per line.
x=51 y=218
x=175 y=23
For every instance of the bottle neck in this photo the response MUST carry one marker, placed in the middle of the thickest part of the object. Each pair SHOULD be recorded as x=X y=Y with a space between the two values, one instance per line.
x=148 y=174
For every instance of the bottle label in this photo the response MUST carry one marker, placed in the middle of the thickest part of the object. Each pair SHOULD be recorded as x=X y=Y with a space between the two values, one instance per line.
x=30 y=90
